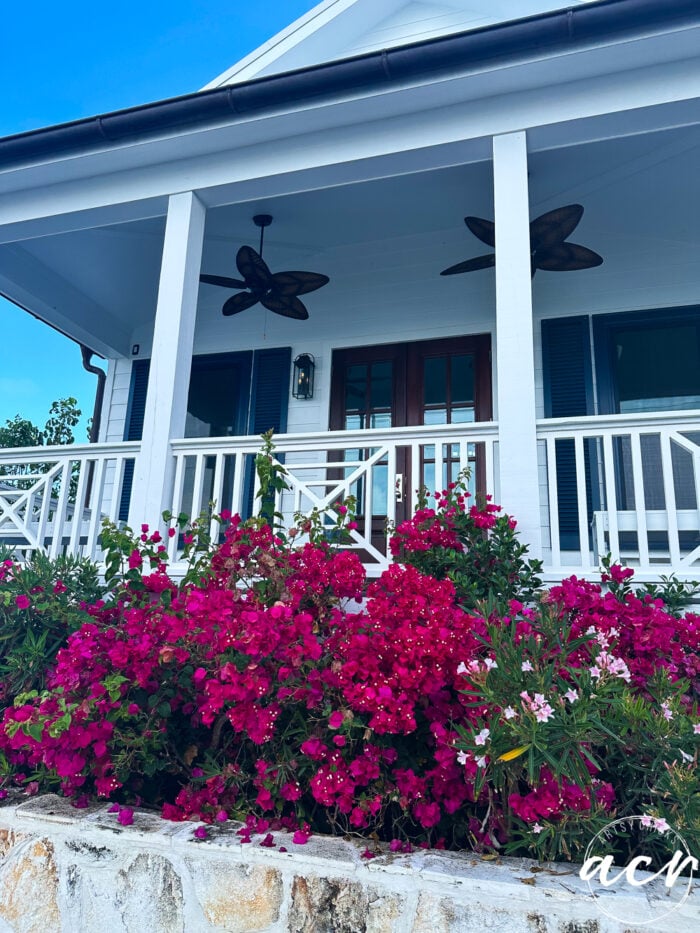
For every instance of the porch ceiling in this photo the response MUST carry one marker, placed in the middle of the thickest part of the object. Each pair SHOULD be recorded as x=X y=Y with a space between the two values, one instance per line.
x=640 y=195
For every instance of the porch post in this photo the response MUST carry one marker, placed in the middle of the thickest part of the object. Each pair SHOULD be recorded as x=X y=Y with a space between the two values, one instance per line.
x=517 y=442
x=171 y=358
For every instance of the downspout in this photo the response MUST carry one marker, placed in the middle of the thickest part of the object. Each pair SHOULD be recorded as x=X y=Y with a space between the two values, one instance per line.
x=87 y=355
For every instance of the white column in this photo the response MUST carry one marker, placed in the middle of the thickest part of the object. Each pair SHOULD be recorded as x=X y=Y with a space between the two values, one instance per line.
x=171 y=359
x=517 y=444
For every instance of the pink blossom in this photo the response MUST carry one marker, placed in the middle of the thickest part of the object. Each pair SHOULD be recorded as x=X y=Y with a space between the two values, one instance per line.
x=22 y=601
x=126 y=816
x=482 y=736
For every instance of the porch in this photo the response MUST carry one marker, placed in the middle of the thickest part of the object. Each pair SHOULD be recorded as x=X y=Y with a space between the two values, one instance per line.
x=635 y=483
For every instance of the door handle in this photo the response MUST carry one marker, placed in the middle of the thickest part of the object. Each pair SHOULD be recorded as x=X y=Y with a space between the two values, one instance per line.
x=398 y=487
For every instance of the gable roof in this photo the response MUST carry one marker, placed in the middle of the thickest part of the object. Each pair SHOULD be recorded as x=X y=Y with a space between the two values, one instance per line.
x=337 y=29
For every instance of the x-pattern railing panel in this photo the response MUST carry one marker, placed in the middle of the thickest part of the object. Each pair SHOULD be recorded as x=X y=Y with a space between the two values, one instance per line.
x=321 y=469
x=54 y=498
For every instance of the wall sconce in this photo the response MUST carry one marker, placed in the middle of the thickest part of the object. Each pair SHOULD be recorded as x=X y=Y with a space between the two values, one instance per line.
x=303 y=384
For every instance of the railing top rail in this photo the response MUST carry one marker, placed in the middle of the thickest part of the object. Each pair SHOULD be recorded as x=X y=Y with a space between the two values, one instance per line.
x=474 y=430
x=656 y=419
x=70 y=451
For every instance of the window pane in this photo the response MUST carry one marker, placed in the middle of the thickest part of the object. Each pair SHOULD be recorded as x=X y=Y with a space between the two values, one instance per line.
x=657 y=368
x=435 y=381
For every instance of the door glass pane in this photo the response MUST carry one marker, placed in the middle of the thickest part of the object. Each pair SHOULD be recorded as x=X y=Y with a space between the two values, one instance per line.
x=381 y=387
x=355 y=388
x=435 y=381
x=448 y=389
x=462 y=379
x=435 y=416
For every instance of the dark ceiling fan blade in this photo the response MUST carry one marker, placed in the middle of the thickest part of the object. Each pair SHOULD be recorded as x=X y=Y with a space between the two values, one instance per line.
x=238 y=303
x=298 y=283
x=554 y=226
x=222 y=280
x=566 y=257
x=286 y=305
x=485 y=230
x=471 y=265
x=253 y=268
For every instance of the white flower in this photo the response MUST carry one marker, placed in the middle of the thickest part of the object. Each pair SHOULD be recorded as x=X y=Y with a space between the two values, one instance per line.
x=594 y=671
x=481 y=761
x=461 y=668
x=661 y=824
x=543 y=713
x=509 y=712
x=646 y=821
x=537 y=828
x=481 y=738
x=666 y=710
x=526 y=666
x=490 y=664
x=571 y=696
x=462 y=758
x=685 y=756
x=696 y=728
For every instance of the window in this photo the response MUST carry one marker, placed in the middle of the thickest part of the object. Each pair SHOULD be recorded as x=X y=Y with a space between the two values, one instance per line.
x=648 y=361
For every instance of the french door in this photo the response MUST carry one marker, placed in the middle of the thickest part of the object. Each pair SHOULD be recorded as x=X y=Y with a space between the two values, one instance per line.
x=428 y=382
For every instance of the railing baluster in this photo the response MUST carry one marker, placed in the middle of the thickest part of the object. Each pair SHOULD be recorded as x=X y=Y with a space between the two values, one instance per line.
x=78 y=507
x=238 y=477
x=670 y=497
x=611 y=496
x=97 y=492
x=60 y=514
x=217 y=491
x=553 y=491
x=582 y=503
x=198 y=486
x=639 y=499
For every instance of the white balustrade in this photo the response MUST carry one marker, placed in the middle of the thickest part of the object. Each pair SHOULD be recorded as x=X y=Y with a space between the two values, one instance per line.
x=383 y=469
x=628 y=485
x=55 y=498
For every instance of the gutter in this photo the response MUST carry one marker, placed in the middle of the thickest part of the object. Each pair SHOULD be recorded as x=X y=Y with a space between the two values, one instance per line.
x=459 y=53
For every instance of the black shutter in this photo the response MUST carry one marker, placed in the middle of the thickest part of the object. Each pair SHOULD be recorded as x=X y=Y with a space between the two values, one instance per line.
x=133 y=427
x=568 y=392
x=270 y=392
x=268 y=404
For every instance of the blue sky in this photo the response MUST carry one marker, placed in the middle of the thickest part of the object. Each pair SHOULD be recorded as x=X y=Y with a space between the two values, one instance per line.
x=63 y=61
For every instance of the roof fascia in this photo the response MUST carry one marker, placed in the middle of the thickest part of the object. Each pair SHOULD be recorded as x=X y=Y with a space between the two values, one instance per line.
x=544 y=36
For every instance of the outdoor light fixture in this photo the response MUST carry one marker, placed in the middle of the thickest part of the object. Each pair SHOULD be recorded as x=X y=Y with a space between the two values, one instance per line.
x=303 y=384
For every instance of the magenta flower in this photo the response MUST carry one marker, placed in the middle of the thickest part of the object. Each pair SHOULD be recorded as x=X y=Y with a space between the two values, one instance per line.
x=126 y=816
x=23 y=602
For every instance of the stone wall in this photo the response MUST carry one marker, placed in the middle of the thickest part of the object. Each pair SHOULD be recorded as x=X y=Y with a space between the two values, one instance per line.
x=79 y=871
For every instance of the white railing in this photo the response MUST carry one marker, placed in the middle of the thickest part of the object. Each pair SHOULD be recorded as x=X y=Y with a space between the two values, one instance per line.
x=383 y=469
x=628 y=485
x=55 y=498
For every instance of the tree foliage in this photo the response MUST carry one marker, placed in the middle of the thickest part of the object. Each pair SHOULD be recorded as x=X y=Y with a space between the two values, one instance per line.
x=64 y=415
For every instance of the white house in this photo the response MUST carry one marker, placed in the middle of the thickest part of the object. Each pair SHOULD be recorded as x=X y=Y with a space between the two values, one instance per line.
x=368 y=131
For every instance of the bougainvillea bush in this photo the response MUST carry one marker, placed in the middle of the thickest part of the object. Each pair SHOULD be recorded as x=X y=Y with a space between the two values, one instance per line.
x=274 y=686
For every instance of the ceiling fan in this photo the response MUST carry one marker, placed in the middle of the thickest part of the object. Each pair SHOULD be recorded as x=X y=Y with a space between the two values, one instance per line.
x=277 y=291
x=548 y=249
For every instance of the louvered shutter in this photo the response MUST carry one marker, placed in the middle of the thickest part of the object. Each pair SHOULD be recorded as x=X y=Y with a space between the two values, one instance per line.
x=568 y=392
x=133 y=427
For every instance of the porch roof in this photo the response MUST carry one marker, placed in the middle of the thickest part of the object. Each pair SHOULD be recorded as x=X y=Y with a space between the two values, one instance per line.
x=462 y=53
